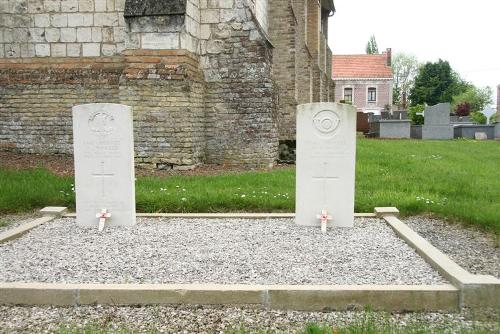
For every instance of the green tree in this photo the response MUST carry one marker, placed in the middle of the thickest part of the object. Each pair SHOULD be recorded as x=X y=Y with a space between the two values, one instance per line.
x=371 y=46
x=404 y=70
x=412 y=114
x=436 y=83
x=477 y=98
x=478 y=117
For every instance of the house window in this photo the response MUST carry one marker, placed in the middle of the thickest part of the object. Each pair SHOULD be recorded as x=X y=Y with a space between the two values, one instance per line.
x=372 y=94
x=348 y=95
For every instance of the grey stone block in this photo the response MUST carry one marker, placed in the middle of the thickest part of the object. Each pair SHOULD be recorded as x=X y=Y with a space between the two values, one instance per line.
x=394 y=129
x=437 y=132
x=469 y=131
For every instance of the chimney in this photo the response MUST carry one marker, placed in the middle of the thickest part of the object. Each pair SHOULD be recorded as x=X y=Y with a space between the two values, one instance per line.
x=388 y=56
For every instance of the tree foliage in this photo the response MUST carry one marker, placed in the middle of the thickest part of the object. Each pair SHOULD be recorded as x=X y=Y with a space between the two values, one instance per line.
x=463 y=109
x=478 y=117
x=412 y=114
x=371 y=46
x=436 y=83
x=476 y=98
x=404 y=70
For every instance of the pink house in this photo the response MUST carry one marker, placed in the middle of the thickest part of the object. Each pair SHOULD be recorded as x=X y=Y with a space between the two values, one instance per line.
x=364 y=80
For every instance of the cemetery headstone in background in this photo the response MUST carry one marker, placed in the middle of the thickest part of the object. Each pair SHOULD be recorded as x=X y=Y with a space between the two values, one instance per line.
x=437 y=122
x=326 y=147
x=104 y=164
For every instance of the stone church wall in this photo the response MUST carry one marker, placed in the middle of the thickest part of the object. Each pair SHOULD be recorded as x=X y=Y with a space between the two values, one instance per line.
x=204 y=79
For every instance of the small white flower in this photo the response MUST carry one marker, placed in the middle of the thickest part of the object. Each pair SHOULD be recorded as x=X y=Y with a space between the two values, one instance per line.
x=184 y=199
x=243 y=196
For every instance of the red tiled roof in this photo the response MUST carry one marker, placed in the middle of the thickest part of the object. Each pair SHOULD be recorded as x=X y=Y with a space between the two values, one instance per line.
x=360 y=66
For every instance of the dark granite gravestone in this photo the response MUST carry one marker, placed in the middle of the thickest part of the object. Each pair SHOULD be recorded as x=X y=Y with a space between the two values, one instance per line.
x=134 y=8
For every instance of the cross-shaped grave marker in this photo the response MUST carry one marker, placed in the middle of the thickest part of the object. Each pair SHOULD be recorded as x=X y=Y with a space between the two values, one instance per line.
x=324 y=217
x=102 y=218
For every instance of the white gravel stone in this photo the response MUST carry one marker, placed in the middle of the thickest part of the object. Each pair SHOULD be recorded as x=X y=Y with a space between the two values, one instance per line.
x=214 y=319
x=272 y=251
x=11 y=221
x=474 y=250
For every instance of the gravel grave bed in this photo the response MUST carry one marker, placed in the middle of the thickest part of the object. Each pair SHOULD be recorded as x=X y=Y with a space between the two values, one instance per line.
x=474 y=250
x=224 y=251
x=11 y=221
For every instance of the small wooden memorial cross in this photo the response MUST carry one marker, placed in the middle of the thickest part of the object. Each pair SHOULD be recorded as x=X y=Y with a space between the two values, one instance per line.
x=102 y=218
x=324 y=217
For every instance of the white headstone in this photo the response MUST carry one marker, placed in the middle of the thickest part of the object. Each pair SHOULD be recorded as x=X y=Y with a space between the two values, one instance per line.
x=326 y=153
x=104 y=164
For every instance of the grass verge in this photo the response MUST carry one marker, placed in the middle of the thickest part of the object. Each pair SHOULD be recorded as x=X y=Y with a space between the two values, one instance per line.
x=457 y=179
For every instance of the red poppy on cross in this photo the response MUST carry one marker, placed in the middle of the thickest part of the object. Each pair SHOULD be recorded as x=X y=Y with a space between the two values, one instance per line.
x=102 y=218
x=324 y=217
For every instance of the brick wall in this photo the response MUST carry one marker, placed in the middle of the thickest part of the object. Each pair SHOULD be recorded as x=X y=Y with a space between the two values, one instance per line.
x=360 y=87
x=55 y=28
x=36 y=99
x=301 y=59
x=236 y=61
x=200 y=84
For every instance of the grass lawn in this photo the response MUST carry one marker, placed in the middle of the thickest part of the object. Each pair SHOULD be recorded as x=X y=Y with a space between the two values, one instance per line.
x=458 y=179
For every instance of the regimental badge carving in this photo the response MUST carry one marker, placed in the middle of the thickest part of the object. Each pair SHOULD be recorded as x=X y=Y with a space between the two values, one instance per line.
x=326 y=122
x=101 y=123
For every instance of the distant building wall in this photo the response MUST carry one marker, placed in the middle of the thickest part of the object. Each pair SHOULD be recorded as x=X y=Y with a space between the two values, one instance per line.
x=360 y=90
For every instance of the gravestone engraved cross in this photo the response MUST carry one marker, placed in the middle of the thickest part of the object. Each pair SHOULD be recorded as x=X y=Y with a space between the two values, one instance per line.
x=323 y=179
x=103 y=175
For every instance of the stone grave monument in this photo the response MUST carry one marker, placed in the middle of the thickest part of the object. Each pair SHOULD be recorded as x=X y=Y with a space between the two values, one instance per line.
x=326 y=150
x=104 y=165
x=437 y=122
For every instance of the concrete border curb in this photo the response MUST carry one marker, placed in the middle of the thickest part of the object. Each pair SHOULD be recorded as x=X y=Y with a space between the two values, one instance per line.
x=475 y=290
x=50 y=213
x=296 y=297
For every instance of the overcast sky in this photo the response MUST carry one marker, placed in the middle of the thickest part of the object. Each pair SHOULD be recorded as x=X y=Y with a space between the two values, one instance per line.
x=465 y=33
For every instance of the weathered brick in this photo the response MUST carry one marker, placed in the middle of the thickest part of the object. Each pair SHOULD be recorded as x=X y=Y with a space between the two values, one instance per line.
x=80 y=20
x=58 y=50
x=105 y=19
x=85 y=5
x=68 y=35
x=100 y=5
x=59 y=20
x=91 y=49
x=84 y=34
x=42 y=20
x=73 y=49
x=52 y=35
x=69 y=6
x=42 y=50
